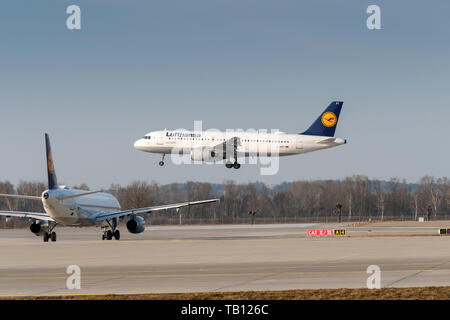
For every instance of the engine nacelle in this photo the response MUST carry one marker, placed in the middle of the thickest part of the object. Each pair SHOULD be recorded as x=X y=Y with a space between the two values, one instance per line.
x=136 y=224
x=203 y=154
x=38 y=228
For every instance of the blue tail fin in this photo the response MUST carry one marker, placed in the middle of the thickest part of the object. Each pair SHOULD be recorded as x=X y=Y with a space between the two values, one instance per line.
x=326 y=124
x=52 y=182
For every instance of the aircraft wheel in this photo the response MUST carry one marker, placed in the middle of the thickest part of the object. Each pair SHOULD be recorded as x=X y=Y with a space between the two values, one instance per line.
x=229 y=165
x=236 y=165
x=161 y=163
x=117 y=234
x=45 y=237
x=103 y=236
x=109 y=235
x=53 y=236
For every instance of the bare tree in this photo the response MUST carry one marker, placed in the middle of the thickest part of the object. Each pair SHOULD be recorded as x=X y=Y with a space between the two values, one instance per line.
x=380 y=198
x=82 y=186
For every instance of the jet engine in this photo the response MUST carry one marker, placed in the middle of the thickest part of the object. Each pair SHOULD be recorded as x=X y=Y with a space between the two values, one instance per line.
x=204 y=154
x=38 y=228
x=136 y=224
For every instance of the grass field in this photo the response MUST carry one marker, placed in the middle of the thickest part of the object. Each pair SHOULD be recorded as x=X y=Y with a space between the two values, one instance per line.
x=414 y=293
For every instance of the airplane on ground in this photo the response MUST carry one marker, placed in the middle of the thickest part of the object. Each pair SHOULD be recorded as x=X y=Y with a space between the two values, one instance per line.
x=80 y=208
x=207 y=146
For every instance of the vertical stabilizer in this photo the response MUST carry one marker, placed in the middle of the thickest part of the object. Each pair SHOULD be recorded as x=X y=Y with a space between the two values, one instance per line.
x=52 y=181
x=326 y=124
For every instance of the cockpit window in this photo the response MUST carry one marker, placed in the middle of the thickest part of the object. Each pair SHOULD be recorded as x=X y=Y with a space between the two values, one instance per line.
x=147 y=137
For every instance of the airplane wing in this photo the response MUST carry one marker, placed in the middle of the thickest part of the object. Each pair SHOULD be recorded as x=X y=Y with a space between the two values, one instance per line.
x=138 y=211
x=23 y=214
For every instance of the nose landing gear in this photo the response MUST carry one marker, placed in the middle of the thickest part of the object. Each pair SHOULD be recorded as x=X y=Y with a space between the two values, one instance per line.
x=161 y=163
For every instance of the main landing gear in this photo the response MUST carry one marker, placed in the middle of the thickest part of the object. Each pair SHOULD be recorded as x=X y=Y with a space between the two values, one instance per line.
x=110 y=230
x=50 y=234
x=235 y=165
x=230 y=165
x=161 y=163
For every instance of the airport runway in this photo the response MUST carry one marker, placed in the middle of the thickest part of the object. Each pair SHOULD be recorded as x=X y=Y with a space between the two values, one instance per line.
x=224 y=258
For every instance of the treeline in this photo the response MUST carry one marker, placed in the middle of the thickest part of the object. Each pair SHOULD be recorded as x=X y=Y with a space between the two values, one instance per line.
x=301 y=201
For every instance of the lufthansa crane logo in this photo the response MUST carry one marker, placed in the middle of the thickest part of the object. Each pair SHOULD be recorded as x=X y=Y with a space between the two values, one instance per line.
x=51 y=168
x=329 y=119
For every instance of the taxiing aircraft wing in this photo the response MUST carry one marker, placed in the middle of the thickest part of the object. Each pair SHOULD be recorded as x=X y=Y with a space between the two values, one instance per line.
x=138 y=211
x=23 y=214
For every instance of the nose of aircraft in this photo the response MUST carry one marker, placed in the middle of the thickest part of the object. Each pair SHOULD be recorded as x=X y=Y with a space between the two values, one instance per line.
x=139 y=144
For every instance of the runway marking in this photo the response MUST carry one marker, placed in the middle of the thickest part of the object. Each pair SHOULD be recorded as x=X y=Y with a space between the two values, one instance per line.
x=209 y=275
x=199 y=270
x=76 y=294
x=417 y=273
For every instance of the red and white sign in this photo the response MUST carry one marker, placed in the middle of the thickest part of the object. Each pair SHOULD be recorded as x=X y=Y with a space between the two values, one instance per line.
x=320 y=232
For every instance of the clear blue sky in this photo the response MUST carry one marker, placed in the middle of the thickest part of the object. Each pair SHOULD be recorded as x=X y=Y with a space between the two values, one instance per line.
x=138 y=66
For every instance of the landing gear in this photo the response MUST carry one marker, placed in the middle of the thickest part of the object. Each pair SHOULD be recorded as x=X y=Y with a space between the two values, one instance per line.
x=50 y=235
x=161 y=163
x=235 y=165
x=110 y=230
x=230 y=165
x=107 y=234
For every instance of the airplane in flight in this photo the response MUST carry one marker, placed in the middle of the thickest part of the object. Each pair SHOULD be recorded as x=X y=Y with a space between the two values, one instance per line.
x=207 y=146
x=80 y=208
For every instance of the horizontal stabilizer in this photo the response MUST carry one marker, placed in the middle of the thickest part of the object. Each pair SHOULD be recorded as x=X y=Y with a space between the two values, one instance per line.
x=327 y=141
x=19 y=196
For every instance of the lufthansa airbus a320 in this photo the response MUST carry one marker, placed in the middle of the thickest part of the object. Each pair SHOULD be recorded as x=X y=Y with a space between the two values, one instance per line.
x=207 y=146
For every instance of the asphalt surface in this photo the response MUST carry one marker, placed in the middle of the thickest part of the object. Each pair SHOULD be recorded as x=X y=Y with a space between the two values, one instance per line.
x=225 y=258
